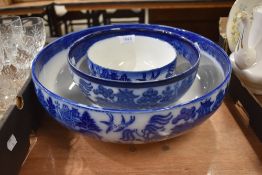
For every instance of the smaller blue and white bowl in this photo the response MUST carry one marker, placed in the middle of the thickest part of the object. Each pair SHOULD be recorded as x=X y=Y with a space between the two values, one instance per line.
x=136 y=54
x=138 y=94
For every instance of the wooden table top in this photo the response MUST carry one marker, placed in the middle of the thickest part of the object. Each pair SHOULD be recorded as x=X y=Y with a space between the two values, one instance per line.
x=26 y=4
x=221 y=145
x=259 y=97
x=75 y=5
x=24 y=8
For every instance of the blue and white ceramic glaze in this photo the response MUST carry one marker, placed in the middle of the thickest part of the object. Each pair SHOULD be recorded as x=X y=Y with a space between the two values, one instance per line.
x=122 y=125
x=135 y=95
x=149 y=54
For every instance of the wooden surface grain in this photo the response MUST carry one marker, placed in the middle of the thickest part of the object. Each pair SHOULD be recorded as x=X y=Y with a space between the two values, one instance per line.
x=26 y=4
x=222 y=145
x=259 y=98
x=76 y=5
x=24 y=8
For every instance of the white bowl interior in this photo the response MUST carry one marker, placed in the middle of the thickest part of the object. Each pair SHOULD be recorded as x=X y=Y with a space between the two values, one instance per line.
x=131 y=53
x=56 y=77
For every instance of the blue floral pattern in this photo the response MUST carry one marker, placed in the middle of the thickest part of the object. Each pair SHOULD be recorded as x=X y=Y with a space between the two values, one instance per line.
x=148 y=97
x=205 y=107
x=118 y=75
x=185 y=115
x=85 y=87
x=105 y=92
x=158 y=127
x=155 y=126
x=70 y=117
x=167 y=94
x=117 y=128
x=171 y=71
x=151 y=132
x=219 y=99
x=125 y=97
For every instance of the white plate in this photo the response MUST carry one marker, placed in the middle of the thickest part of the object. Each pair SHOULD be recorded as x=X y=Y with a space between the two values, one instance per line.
x=232 y=29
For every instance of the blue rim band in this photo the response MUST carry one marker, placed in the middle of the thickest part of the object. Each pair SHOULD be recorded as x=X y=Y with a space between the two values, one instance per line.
x=87 y=41
x=65 y=41
x=76 y=55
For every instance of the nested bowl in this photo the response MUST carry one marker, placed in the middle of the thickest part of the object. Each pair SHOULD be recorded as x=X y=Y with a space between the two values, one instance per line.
x=136 y=94
x=131 y=54
x=64 y=102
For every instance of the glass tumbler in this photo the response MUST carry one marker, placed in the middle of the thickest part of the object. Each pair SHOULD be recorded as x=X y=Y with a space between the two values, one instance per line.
x=33 y=41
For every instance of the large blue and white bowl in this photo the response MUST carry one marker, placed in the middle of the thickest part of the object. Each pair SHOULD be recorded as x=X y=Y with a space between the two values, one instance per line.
x=136 y=94
x=63 y=100
x=132 y=54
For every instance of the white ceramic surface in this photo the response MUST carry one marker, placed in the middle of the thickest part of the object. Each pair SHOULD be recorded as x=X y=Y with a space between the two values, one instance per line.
x=251 y=77
x=255 y=34
x=131 y=53
x=55 y=77
x=233 y=28
x=245 y=58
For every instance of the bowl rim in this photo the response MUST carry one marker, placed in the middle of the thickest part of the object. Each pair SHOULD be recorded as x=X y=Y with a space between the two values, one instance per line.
x=137 y=84
x=144 y=32
x=131 y=111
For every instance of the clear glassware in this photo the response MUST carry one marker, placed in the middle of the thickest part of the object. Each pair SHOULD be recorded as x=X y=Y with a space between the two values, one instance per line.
x=35 y=28
x=1 y=58
x=7 y=93
x=11 y=32
x=20 y=41
x=10 y=35
x=34 y=37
